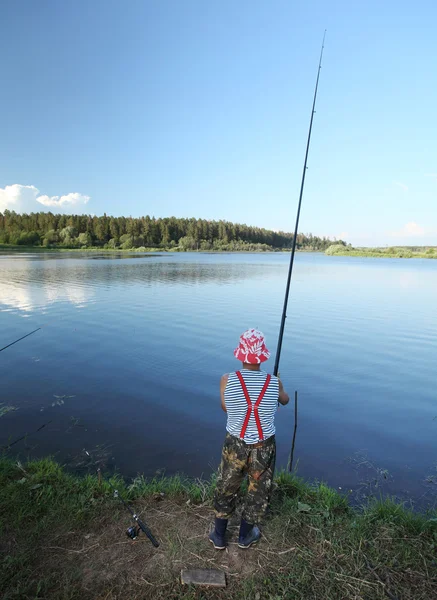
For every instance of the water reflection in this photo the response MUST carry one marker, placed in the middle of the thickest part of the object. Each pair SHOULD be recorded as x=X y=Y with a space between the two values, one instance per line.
x=29 y=298
x=28 y=284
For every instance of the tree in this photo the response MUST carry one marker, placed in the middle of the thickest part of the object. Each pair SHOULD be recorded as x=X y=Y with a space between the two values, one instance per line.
x=29 y=239
x=114 y=229
x=67 y=232
x=189 y=234
x=187 y=243
x=68 y=235
x=85 y=239
x=126 y=241
x=165 y=234
x=337 y=249
x=51 y=237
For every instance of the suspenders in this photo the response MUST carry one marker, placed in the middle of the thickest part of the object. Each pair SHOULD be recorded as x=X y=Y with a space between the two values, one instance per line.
x=255 y=408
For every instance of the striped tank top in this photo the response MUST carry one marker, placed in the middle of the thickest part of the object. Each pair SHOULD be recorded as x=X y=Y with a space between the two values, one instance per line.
x=255 y=422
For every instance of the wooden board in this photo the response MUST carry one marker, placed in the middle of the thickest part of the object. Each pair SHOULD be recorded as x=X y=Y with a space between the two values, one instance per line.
x=209 y=577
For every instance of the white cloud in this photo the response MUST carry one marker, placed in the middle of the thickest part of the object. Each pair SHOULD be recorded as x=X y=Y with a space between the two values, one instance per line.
x=27 y=198
x=20 y=198
x=401 y=185
x=72 y=199
x=411 y=229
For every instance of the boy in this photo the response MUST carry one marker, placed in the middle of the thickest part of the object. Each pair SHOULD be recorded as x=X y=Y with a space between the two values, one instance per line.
x=250 y=398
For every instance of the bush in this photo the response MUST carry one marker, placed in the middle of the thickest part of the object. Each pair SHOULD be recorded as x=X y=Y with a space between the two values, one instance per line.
x=29 y=239
x=112 y=244
x=205 y=245
x=68 y=232
x=51 y=237
x=337 y=249
x=126 y=241
x=85 y=239
x=187 y=243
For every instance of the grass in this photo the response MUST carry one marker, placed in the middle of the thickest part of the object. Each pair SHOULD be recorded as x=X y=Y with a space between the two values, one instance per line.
x=21 y=248
x=142 y=249
x=63 y=537
x=392 y=252
x=334 y=250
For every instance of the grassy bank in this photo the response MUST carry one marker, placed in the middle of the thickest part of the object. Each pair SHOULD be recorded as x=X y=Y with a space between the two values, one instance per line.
x=64 y=537
x=228 y=249
x=392 y=252
x=16 y=248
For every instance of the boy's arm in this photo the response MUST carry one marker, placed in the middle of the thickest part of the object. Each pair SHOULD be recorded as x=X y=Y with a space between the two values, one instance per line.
x=223 y=382
x=284 y=398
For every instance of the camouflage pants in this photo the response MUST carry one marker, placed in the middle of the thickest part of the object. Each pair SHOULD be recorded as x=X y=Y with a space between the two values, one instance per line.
x=239 y=459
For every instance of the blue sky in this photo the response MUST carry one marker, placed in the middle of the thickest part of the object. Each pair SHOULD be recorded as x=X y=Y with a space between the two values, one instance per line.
x=194 y=108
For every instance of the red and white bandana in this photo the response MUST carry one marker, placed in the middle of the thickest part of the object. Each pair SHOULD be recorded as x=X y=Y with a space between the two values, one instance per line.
x=252 y=348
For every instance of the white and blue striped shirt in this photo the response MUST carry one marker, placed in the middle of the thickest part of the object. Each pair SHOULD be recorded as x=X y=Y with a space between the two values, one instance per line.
x=237 y=407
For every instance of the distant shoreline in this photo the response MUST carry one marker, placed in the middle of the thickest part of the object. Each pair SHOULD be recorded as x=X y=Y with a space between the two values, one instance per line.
x=391 y=252
x=334 y=250
x=19 y=248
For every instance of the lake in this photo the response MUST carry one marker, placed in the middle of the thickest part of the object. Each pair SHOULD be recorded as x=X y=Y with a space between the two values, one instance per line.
x=132 y=347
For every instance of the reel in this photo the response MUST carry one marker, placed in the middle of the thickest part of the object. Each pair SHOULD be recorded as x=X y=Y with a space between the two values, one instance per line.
x=133 y=532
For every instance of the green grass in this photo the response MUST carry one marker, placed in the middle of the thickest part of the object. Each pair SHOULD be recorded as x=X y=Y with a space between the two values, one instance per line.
x=334 y=250
x=142 y=249
x=20 y=248
x=392 y=252
x=177 y=486
x=62 y=536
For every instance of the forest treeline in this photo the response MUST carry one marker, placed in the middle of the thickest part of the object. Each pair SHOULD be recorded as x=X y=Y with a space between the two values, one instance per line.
x=85 y=231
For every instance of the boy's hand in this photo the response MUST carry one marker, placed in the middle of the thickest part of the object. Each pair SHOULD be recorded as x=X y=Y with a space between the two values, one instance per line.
x=283 y=396
x=223 y=382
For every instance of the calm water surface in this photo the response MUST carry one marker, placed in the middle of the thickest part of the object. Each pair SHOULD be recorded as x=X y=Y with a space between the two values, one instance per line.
x=132 y=349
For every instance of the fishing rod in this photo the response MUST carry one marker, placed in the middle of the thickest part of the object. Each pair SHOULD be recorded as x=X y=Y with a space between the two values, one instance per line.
x=32 y=332
x=132 y=532
x=23 y=437
x=293 y=250
x=19 y=339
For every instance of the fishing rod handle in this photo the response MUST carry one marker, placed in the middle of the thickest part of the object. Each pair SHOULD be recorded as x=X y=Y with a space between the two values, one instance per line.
x=147 y=531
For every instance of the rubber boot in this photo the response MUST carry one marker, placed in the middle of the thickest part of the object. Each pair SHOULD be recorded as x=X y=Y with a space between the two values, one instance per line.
x=217 y=535
x=249 y=534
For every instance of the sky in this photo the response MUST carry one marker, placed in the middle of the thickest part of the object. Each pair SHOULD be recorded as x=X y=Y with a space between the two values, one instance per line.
x=190 y=108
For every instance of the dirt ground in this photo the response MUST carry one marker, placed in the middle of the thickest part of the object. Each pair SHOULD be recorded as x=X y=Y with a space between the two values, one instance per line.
x=107 y=560
x=302 y=555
